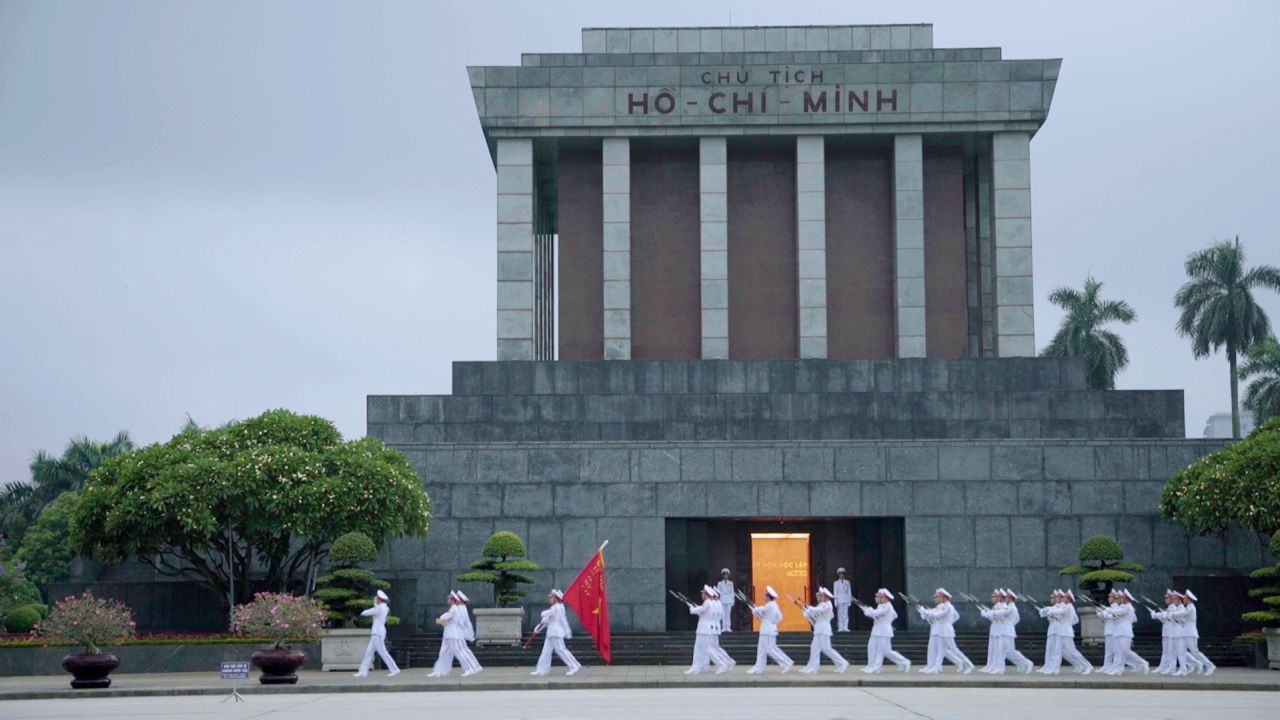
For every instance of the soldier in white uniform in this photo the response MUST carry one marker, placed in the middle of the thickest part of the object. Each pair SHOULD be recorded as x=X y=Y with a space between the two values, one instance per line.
x=719 y=657
x=1168 y=651
x=820 y=616
x=470 y=665
x=707 y=631
x=1190 y=637
x=725 y=593
x=942 y=618
x=1003 y=615
x=880 y=644
x=556 y=627
x=767 y=646
x=1109 y=616
x=844 y=598
x=454 y=644
x=1008 y=640
x=1060 y=641
x=1127 y=615
x=378 y=638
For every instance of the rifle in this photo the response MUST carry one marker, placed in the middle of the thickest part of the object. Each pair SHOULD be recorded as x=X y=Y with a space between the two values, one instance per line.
x=1029 y=600
x=743 y=597
x=804 y=609
x=975 y=601
x=910 y=599
x=682 y=598
x=1151 y=604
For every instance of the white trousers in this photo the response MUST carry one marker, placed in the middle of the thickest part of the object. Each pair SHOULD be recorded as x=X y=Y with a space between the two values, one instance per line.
x=767 y=647
x=701 y=653
x=468 y=660
x=944 y=648
x=880 y=649
x=726 y=617
x=378 y=644
x=995 y=655
x=1125 y=656
x=1190 y=659
x=450 y=649
x=842 y=617
x=719 y=657
x=1168 y=656
x=820 y=646
x=556 y=645
x=1008 y=646
x=1058 y=648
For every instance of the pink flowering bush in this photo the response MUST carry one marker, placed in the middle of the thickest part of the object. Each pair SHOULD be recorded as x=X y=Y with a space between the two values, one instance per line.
x=86 y=620
x=281 y=617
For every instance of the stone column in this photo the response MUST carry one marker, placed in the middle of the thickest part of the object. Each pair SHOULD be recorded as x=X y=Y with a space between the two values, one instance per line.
x=908 y=244
x=811 y=244
x=714 y=214
x=617 y=248
x=515 y=249
x=1011 y=205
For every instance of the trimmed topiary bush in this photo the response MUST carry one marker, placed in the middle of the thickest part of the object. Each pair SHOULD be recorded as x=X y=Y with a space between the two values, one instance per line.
x=349 y=589
x=1102 y=565
x=22 y=620
x=1269 y=591
x=503 y=566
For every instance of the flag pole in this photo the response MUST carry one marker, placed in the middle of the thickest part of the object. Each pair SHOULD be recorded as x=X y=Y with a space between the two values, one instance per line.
x=606 y=542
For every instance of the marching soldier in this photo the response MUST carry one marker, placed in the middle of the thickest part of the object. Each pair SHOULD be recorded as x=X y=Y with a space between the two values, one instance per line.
x=470 y=665
x=555 y=623
x=942 y=618
x=1008 y=641
x=767 y=646
x=378 y=638
x=880 y=644
x=1190 y=637
x=1060 y=641
x=725 y=591
x=706 y=632
x=454 y=643
x=1126 y=616
x=1003 y=615
x=1168 y=630
x=844 y=598
x=820 y=616
x=1109 y=616
x=719 y=657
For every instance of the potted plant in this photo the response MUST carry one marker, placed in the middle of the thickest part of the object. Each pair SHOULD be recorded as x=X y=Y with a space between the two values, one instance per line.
x=346 y=591
x=283 y=618
x=1269 y=593
x=90 y=622
x=1102 y=565
x=504 y=566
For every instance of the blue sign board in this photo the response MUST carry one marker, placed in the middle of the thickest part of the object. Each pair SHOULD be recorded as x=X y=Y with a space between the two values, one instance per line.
x=235 y=671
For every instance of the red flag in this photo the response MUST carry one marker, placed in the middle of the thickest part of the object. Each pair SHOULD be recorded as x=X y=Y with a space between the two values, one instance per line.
x=587 y=596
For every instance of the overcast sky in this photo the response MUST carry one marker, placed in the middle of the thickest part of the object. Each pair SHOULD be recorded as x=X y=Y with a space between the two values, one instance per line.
x=216 y=208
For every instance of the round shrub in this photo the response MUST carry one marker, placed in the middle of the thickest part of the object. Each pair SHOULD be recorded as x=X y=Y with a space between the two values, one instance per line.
x=353 y=548
x=40 y=608
x=22 y=620
x=1100 y=547
x=503 y=544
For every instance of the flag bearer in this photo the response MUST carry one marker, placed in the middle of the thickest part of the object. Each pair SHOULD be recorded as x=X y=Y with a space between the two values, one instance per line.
x=378 y=638
x=557 y=630
x=820 y=616
x=767 y=646
x=844 y=598
x=880 y=644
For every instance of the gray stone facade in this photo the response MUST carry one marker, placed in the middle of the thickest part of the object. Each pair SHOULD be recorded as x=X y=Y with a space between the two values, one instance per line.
x=979 y=511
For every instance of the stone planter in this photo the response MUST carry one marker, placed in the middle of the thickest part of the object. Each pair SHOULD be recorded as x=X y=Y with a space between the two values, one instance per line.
x=499 y=626
x=90 y=671
x=1091 y=627
x=343 y=648
x=279 y=666
x=1273 y=647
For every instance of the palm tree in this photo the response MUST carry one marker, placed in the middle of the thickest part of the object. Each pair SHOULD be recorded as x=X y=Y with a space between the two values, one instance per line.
x=1082 y=335
x=1218 y=309
x=1262 y=362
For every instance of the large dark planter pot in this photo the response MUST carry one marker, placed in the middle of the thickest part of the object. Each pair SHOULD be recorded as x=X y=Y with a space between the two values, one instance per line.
x=90 y=671
x=279 y=667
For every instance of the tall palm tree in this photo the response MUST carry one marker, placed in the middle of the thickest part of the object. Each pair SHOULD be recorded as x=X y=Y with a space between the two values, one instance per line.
x=1218 y=309
x=1262 y=362
x=1082 y=335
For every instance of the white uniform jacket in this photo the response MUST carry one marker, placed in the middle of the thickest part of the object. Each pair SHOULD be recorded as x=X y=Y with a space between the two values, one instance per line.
x=1002 y=617
x=708 y=620
x=469 y=630
x=882 y=617
x=820 y=615
x=942 y=619
x=454 y=629
x=379 y=615
x=844 y=592
x=555 y=622
x=770 y=615
x=725 y=588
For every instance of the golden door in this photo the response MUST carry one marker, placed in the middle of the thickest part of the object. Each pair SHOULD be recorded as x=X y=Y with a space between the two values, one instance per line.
x=781 y=560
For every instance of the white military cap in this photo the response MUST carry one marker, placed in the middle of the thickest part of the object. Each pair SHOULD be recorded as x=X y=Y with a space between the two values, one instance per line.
x=453 y=594
x=943 y=592
x=463 y=597
x=885 y=592
x=382 y=596
x=557 y=593
x=768 y=590
x=1127 y=595
x=1070 y=595
x=709 y=590
x=824 y=591
x=840 y=570
x=1190 y=595
x=1167 y=591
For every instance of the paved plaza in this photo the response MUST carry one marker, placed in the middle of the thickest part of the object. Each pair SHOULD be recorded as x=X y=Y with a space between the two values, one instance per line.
x=866 y=703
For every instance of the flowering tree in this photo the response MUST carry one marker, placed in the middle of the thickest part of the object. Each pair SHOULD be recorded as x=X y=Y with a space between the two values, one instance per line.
x=86 y=620
x=281 y=617
x=267 y=495
x=1239 y=484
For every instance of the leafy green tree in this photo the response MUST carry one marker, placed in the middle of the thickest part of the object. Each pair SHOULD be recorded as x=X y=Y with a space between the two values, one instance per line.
x=1102 y=565
x=1269 y=591
x=1218 y=309
x=15 y=589
x=348 y=589
x=1262 y=363
x=504 y=566
x=46 y=546
x=256 y=503
x=1082 y=335
x=22 y=503
x=1239 y=484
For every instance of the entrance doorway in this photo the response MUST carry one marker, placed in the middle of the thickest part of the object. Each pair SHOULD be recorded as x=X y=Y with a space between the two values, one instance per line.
x=781 y=560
